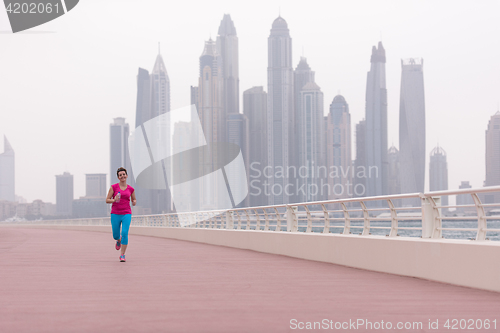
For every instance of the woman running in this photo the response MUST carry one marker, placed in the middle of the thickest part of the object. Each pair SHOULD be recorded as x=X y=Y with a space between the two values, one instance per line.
x=121 y=214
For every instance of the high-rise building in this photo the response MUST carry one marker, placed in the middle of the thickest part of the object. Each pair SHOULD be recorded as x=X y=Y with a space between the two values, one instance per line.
x=213 y=120
x=339 y=160
x=227 y=48
x=153 y=100
x=118 y=147
x=64 y=194
x=255 y=109
x=183 y=140
x=493 y=157
x=7 y=173
x=95 y=185
x=393 y=183
x=311 y=145
x=465 y=199
x=280 y=116
x=376 y=164
x=360 y=173
x=438 y=173
x=412 y=128
x=237 y=133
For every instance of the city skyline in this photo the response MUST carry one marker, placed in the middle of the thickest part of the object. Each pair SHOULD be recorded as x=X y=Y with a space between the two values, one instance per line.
x=447 y=117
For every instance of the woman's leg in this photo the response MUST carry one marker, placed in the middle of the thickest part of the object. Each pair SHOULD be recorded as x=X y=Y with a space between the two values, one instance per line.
x=115 y=225
x=125 y=227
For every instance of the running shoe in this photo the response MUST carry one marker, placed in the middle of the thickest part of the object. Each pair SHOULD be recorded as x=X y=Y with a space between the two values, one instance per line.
x=118 y=244
x=122 y=258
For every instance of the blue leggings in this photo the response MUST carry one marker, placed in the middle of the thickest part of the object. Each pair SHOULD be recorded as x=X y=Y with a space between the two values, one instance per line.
x=124 y=220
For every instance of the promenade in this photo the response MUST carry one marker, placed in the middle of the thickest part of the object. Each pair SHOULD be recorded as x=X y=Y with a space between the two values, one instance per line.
x=72 y=281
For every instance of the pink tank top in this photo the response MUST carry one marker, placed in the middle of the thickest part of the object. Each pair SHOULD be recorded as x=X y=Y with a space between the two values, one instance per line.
x=122 y=207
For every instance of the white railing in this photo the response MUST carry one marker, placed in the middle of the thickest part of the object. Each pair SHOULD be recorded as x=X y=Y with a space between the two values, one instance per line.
x=382 y=215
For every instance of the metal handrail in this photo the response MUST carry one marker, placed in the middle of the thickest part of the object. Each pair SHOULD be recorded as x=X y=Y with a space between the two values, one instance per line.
x=273 y=217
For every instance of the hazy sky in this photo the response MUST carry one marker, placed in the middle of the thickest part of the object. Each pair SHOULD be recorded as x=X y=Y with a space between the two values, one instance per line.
x=62 y=83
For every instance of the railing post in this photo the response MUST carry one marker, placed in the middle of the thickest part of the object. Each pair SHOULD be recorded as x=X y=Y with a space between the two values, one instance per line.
x=394 y=220
x=347 y=220
x=431 y=221
x=291 y=219
x=482 y=226
x=326 y=228
x=366 y=219
x=229 y=220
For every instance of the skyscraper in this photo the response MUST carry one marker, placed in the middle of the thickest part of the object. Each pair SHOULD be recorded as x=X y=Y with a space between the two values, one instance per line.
x=212 y=117
x=376 y=125
x=438 y=173
x=493 y=157
x=311 y=145
x=280 y=116
x=393 y=182
x=237 y=133
x=7 y=172
x=255 y=109
x=153 y=100
x=118 y=144
x=64 y=194
x=227 y=48
x=95 y=185
x=360 y=161
x=338 y=139
x=412 y=128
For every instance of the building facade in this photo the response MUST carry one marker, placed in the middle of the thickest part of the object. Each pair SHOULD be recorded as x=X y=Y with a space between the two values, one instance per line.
x=339 y=160
x=438 y=173
x=493 y=157
x=95 y=185
x=227 y=48
x=7 y=173
x=280 y=116
x=376 y=125
x=412 y=128
x=255 y=109
x=64 y=194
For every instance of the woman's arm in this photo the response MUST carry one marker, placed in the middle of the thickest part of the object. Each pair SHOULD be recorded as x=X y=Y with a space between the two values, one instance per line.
x=134 y=201
x=109 y=198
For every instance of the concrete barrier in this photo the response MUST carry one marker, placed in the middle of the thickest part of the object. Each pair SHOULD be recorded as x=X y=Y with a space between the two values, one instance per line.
x=460 y=262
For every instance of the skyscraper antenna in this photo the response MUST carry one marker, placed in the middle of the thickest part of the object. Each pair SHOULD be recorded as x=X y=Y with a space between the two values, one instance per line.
x=279 y=11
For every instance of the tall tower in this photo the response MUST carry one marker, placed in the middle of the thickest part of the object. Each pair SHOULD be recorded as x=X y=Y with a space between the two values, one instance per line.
x=338 y=139
x=237 y=133
x=7 y=172
x=394 y=182
x=95 y=185
x=280 y=116
x=255 y=108
x=153 y=100
x=64 y=194
x=438 y=173
x=412 y=128
x=493 y=156
x=118 y=144
x=360 y=161
x=212 y=116
x=311 y=144
x=227 y=48
x=376 y=125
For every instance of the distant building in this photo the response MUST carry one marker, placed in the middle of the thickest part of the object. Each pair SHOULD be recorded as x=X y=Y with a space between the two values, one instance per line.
x=438 y=173
x=393 y=183
x=227 y=48
x=182 y=141
x=64 y=194
x=311 y=145
x=237 y=133
x=280 y=116
x=338 y=151
x=118 y=144
x=412 y=129
x=465 y=199
x=360 y=161
x=493 y=157
x=90 y=207
x=376 y=125
x=255 y=109
x=95 y=185
x=7 y=173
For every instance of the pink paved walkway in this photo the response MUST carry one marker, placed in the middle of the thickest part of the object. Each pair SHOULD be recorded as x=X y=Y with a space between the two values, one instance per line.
x=70 y=281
